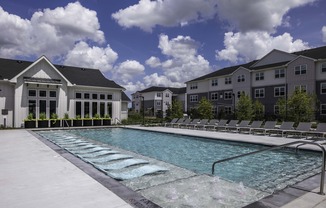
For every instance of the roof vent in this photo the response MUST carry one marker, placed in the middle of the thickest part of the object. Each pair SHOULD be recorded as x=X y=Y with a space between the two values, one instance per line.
x=62 y=66
x=19 y=61
x=83 y=69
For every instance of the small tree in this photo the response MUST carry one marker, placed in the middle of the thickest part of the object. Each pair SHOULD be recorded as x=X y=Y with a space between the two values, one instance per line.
x=205 y=109
x=174 y=110
x=244 y=108
x=258 y=110
x=282 y=108
x=301 y=106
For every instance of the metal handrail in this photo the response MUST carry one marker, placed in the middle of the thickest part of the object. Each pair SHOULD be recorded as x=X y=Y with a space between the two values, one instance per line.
x=322 y=177
x=118 y=121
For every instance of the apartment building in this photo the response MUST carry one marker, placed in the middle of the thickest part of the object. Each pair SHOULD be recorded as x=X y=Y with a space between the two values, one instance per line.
x=42 y=87
x=275 y=75
x=157 y=100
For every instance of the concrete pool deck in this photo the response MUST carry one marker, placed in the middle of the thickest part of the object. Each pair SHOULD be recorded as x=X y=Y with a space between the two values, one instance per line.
x=33 y=175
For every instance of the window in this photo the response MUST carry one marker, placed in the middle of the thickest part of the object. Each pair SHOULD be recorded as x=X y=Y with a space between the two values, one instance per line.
x=279 y=91
x=214 y=96
x=240 y=93
x=193 y=98
x=94 y=96
x=214 y=110
x=323 y=67
x=86 y=96
x=260 y=93
x=78 y=109
x=158 y=94
x=279 y=73
x=102 y=96
x=241 y=78
x=53 y=107
x=110 y=97
x=53 y=94
x=42 y=106
x=32 y=107
x=259 y=76
x=94 y=109
x=301 y=69
x=78 y=95
x=228 y=80
x=167 y=95
x=102 y=109
x=228 y=95
x=228 y=110
x=42 y=93
x=323 y=88
x=193 y=86
x=323 y=109
x=276 y=109
x=214 y=82
x=86 y=109
x=301 y=88
x=32 y=93
x=158 y=103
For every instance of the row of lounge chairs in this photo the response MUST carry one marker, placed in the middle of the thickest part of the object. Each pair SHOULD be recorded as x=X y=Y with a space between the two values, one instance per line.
x=286 y=129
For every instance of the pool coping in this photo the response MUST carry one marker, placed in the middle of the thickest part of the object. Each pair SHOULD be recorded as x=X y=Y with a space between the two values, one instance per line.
x=278 y=199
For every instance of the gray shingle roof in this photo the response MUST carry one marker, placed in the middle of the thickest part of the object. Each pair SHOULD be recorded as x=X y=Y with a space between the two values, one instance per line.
x=174 y=90
x=76 y=75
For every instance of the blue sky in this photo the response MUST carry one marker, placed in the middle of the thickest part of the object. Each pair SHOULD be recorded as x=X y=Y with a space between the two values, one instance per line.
x=144 y=43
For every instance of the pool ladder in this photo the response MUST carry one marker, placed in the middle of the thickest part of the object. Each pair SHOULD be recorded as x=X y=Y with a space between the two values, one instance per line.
x=301 y=143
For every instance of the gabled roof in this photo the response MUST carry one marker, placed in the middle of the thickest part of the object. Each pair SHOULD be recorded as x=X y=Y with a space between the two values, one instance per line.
x=76 y=75
x=124 y=97
x=224 y=71
x=174 y=90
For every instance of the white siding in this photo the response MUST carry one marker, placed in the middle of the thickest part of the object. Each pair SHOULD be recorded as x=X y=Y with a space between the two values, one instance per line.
x=203 y=86
x=7 y=102
x=269 y=78
x=221 y=84
x=319 y=74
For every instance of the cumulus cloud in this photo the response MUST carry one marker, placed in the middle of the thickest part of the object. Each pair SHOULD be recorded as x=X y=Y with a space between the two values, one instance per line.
x=127 y=70
x=244 y=47
x=50 y=32
x=147 y=14
x=92 y=57
x=183 y=62
x=323 y=30
x=253 y=15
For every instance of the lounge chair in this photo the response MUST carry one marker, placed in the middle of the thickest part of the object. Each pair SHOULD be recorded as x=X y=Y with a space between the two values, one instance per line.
x=185 y=123
x=221 y=124
x=302 y=128
x=180 y=121
x=232 y=125
x=202 y=124
x=253 y=125
x=171 y=122
x=193 y=123
x=242 y=124
x=319 y=132
x=286 y=125
x=211 y=125
x=267 y=126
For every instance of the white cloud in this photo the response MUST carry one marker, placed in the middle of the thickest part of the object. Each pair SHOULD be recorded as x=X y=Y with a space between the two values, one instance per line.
x=153 y=62
x=127 y=70
x=48 y=32
x=92 y=57
x=253 y=15
x=323 y=30
x=182 y=64
x=147 y=14
x=133 y=87
x=244 y=47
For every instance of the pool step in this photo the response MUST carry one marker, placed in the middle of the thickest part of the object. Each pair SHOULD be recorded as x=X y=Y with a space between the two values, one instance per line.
x=115 y=164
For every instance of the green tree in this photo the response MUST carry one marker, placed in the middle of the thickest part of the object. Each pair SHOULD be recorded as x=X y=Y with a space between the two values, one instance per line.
x=282 y=108
x=205 y=109
x=258 y=110
x=300 y=106
x=174 y=110
x=244 y=110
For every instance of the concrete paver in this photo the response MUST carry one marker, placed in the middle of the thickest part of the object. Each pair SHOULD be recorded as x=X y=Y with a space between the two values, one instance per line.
x=33 y=175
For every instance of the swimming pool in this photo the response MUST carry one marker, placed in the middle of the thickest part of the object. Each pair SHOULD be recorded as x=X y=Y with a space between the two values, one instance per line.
x=268 y=171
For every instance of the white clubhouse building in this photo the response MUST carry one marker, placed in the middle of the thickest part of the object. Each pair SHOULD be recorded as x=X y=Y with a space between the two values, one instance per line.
x=42 y=87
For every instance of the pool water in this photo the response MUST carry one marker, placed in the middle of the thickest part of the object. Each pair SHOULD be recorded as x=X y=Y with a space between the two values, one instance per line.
x=268 y=171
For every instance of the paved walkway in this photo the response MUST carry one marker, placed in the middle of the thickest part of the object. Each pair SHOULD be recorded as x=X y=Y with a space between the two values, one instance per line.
x=33 y=176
